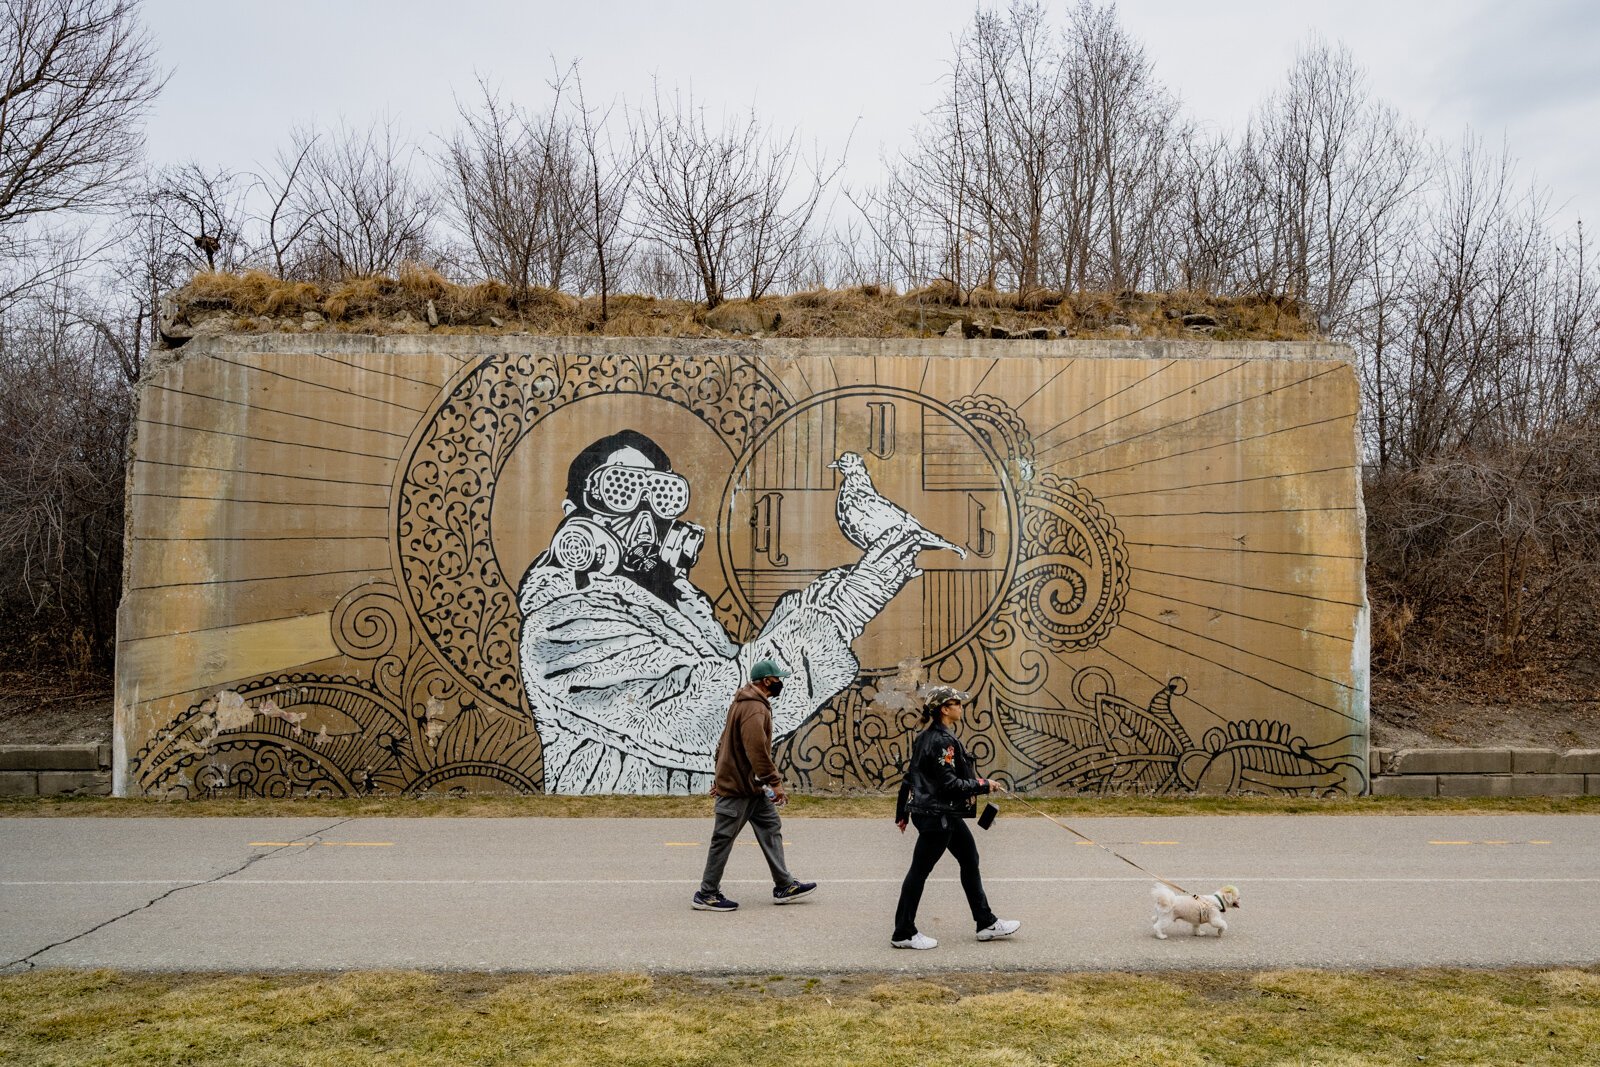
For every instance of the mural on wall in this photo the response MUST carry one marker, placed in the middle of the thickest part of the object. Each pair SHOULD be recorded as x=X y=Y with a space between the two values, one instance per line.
x=1147 y=571
x=628 y=671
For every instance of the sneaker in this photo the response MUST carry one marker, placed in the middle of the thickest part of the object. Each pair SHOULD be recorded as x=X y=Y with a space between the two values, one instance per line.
x=1000 y=928
x=713 y=902
x=920 y=942
x=793 y=892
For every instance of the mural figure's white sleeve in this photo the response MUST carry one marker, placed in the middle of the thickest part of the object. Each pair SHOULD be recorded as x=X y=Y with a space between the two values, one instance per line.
x=630 y=692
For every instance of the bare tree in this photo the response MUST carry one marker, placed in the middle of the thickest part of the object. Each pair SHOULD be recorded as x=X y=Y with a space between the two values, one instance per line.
x=696 y=187
x=659 y=272
x=1010 y=83
x=924 y=220
x=516 y=188
x=364 y=208
x=202 y=214
x=1337 y=168
x=1123 y=129
x=723 y=202
x=286 y=219
x=973 y=202
x=64 y=411
x=79 y=76
x=1213 y=219
x=76 y=79
x=885 y=243
x=1467 y=273
x=1514 y=527
x=776 y=244
x=607 y=180
x=1049 y=161
x=1483 y=384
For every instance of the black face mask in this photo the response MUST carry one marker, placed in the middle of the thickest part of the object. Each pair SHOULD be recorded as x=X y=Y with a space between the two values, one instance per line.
x=774 y=686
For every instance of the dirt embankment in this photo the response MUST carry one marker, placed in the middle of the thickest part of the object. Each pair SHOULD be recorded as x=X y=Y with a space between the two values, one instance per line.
x=35 y=710
x=1525 y=706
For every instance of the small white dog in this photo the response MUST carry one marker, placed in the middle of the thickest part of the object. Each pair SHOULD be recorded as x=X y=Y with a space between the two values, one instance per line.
x=1198 y=911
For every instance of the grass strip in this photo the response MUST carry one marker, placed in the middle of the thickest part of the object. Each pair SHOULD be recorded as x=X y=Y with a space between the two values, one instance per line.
x=814 y=807
x=1547 y=1016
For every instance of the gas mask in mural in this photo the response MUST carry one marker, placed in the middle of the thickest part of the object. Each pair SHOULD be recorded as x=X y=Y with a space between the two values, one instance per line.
x=625 y=517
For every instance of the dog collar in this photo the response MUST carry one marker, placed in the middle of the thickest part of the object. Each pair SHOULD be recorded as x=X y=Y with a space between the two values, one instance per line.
x=1220 y=902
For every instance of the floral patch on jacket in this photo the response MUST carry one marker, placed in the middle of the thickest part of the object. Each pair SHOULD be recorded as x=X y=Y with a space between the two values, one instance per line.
x=948 y=756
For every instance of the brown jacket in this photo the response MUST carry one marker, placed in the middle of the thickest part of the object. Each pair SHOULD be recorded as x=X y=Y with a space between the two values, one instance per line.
x=744 y=755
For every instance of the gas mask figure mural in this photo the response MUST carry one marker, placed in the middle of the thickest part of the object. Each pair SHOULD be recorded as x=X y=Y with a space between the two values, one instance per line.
x=622 y=516
x=627 y=669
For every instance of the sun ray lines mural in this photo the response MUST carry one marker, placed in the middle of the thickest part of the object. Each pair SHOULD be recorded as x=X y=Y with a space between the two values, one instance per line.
x=399 y=565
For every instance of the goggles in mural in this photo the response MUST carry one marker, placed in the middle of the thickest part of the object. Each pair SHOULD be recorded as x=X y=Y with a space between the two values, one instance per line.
x=618 y=489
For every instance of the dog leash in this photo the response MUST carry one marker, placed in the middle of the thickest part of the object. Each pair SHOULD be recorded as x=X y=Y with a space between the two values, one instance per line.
x=1096 y=844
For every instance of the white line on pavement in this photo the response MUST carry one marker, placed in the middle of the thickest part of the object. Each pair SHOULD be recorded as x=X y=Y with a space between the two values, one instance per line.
x=759 y=881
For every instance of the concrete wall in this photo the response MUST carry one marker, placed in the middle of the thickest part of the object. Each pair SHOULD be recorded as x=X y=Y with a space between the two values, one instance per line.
x=356 y=564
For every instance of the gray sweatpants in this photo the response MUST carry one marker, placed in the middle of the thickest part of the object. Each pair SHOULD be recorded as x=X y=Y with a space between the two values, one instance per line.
x=732 y=814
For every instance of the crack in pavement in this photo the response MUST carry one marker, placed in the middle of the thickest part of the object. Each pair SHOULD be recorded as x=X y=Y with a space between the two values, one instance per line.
x=27 y=961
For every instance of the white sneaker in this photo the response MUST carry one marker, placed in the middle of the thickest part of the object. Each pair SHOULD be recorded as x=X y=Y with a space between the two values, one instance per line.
x=1001 y=928
x=916 y=941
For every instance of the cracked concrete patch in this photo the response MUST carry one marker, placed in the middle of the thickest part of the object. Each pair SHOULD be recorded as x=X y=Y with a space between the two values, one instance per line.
x=27 y=963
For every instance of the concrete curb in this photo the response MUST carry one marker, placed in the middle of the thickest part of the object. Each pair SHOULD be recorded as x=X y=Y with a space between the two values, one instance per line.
x=55 y=770
x=1485 y=772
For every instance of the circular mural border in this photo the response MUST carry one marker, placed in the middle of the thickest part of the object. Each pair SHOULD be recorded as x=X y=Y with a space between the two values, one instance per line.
x=443 y=556
x=986 y=447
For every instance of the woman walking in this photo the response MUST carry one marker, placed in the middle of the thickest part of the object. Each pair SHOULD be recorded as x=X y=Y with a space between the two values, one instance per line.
x=938 y=793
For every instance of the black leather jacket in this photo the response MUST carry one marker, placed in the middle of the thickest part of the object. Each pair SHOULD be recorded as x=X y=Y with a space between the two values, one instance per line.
x=940 y=778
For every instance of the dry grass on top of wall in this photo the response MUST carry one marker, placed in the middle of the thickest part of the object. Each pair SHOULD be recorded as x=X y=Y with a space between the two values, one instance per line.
x=259 y=303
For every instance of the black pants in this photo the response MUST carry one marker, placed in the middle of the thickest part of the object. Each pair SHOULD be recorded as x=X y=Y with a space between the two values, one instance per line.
x=936 y=835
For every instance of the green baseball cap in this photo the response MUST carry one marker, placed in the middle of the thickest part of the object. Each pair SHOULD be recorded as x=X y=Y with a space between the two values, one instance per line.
x=767 y=669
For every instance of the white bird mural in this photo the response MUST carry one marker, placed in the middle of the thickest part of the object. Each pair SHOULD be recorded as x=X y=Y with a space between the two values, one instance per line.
x=865 y=514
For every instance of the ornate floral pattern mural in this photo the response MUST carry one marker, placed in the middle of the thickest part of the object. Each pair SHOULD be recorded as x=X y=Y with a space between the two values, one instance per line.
x=385 y=566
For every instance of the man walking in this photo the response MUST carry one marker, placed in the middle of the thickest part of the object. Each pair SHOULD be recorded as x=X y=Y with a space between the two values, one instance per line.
x=748 y=789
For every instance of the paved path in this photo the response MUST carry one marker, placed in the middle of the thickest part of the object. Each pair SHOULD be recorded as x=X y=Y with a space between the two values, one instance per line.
x=605 y=894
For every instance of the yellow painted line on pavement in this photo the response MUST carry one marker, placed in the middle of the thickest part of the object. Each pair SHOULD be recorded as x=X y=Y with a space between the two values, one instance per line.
x=330 y=844
x=1085 y=842
x=1538 y=842
x=1497 y=842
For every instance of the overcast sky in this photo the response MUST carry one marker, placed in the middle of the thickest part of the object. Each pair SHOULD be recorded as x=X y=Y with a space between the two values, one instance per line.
x=246 y=71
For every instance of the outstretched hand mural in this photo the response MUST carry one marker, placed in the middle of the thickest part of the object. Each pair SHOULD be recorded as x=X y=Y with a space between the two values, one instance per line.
x=466 y=570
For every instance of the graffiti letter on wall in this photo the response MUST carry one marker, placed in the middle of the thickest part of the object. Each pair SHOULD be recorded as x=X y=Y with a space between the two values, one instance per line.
x=880 y=429
x=979 y=539
x=767 y=519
